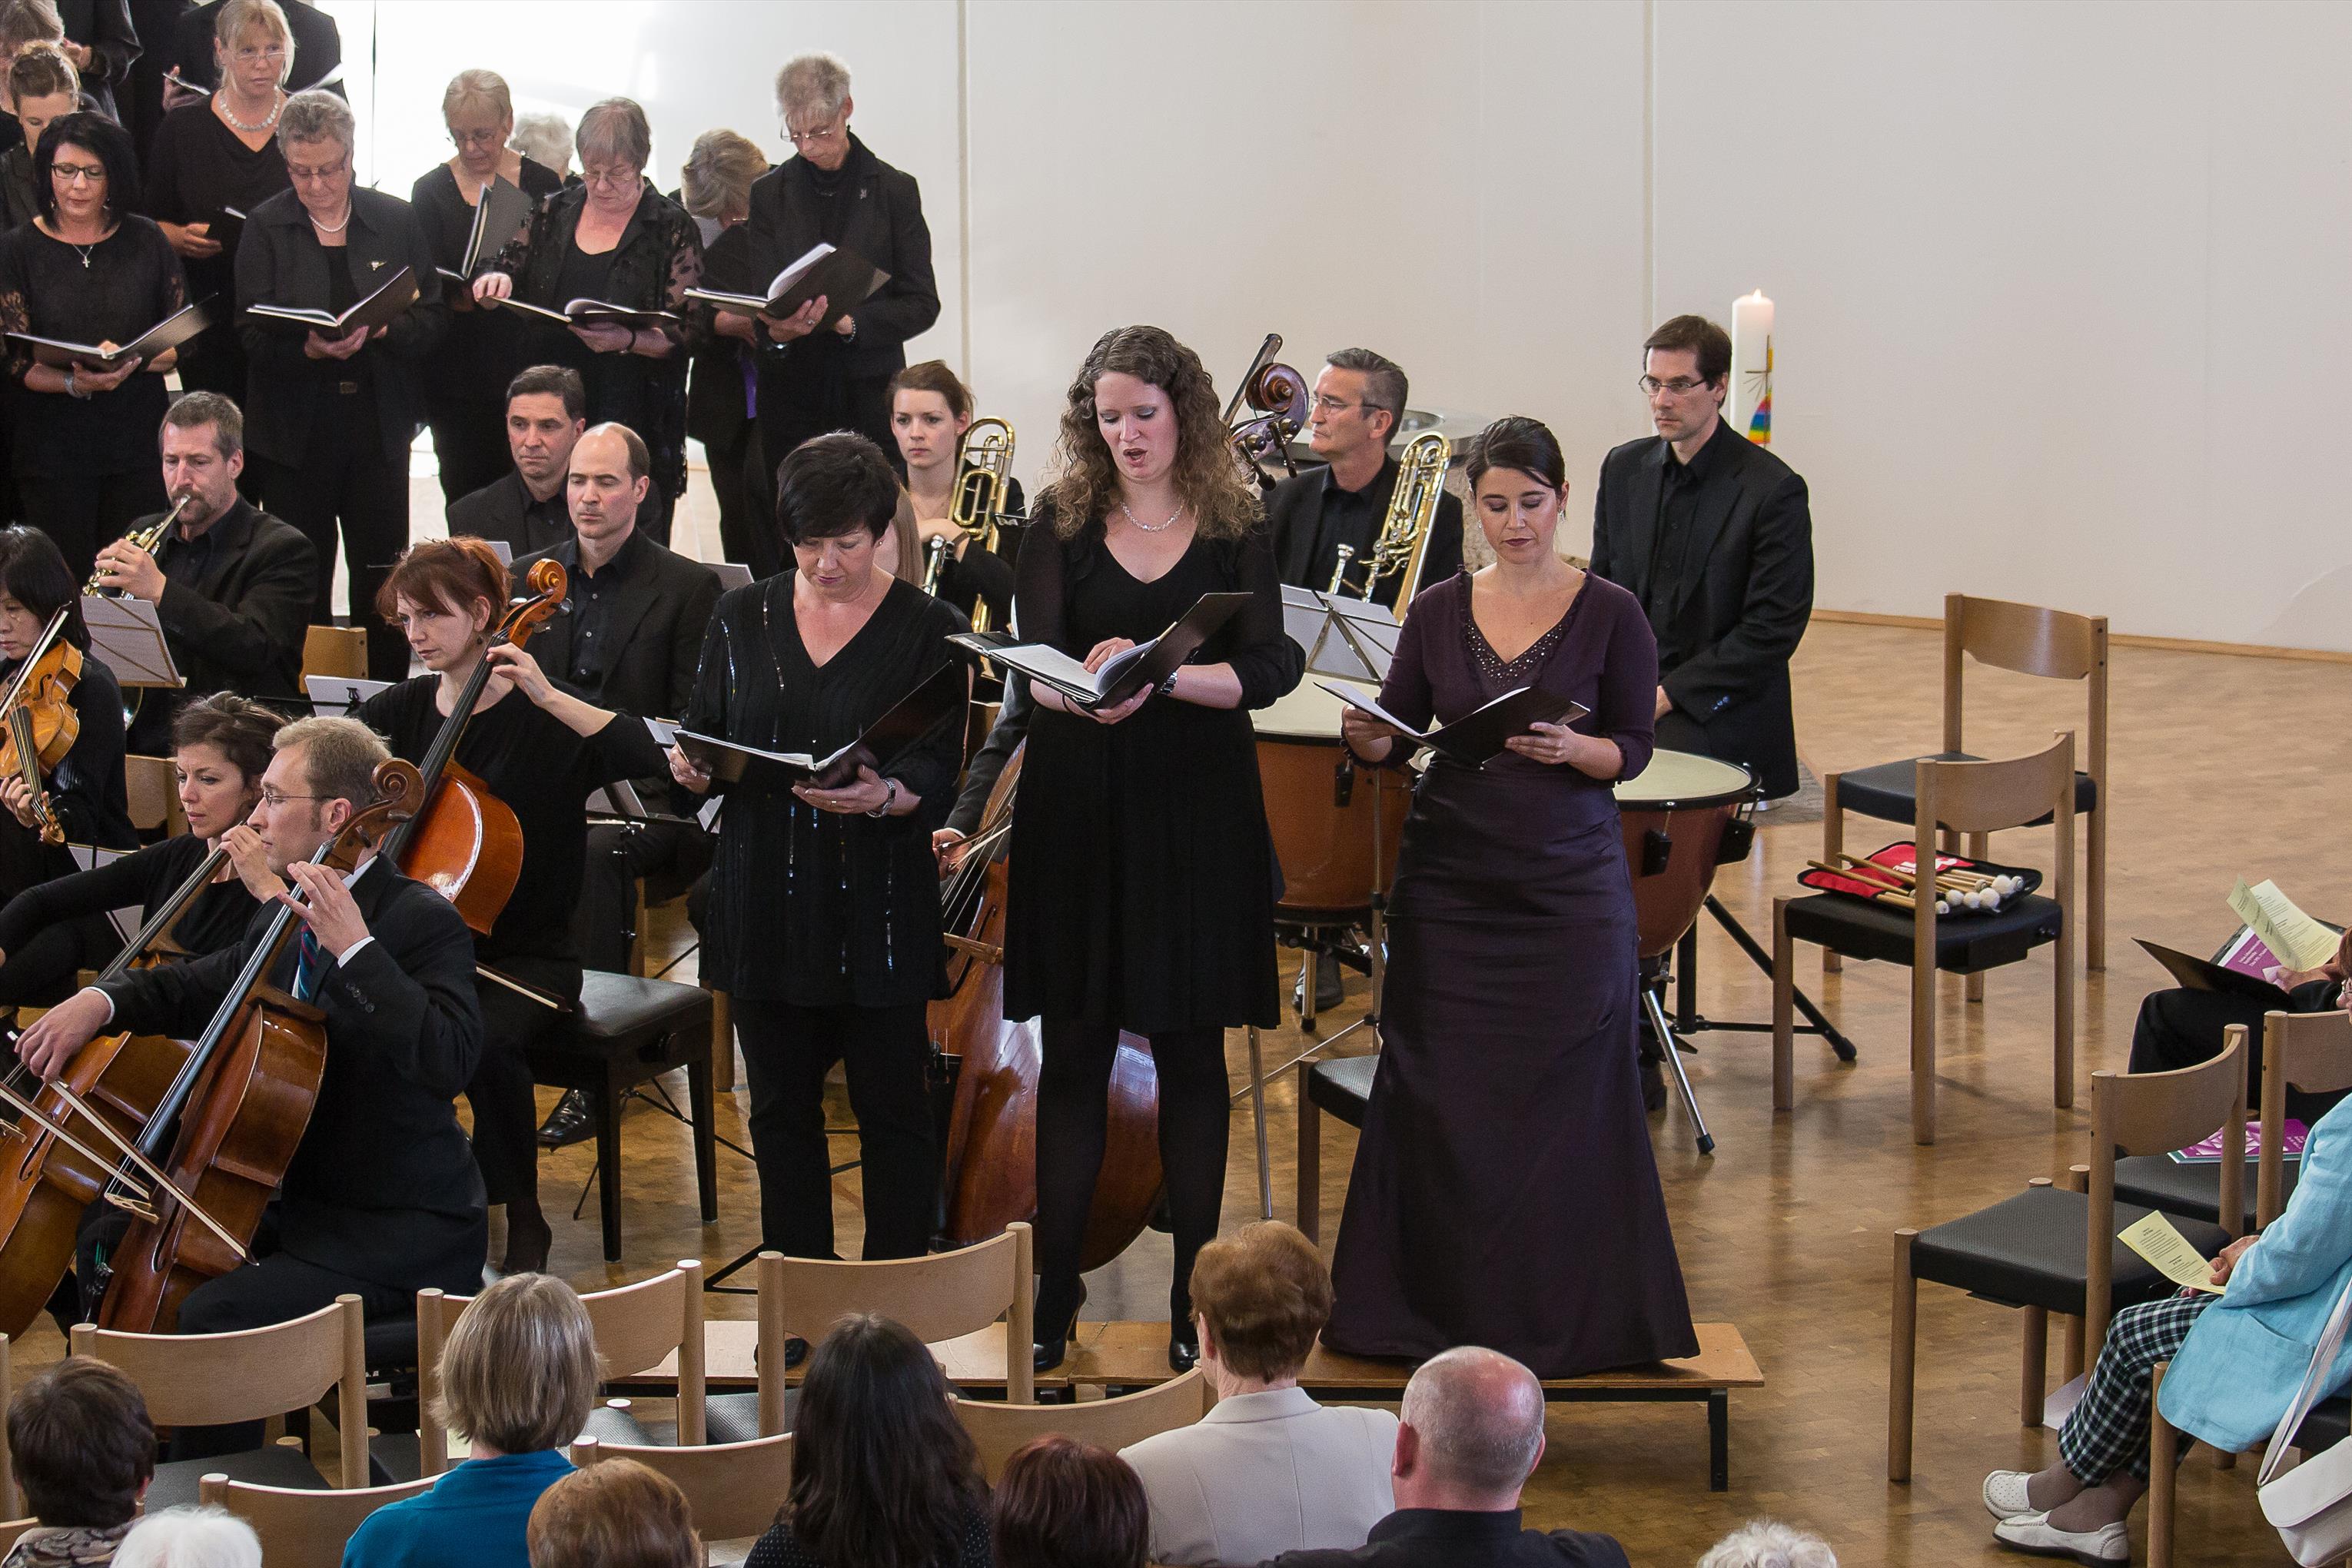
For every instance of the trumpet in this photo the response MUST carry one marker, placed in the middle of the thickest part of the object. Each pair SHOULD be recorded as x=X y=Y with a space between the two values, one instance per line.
x=976 y=501
x=145 y=539
x=1402 y=542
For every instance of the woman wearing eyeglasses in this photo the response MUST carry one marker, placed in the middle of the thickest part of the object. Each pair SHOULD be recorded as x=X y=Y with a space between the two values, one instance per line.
x=814 y=377
x=615 y=239
x=467 y=373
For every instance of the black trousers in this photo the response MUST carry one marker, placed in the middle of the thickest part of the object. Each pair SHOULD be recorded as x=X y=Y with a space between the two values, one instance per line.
x=618 y=854
x=506 y=1114
x=277 y=1289
x=469 y=442
x=83 y=512
x=746 y=533
x=1073 y=1122
x=345 y=479
x=787 y=1051
x=2180 y=1028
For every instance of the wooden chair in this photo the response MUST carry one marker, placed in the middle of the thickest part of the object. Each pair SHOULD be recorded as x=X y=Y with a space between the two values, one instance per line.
x=732 y=1489
x=303 y=1529
x=206 y=1380
x=11 y=1529
x=2049 y=1249
x=339 y=651
x=153 y=787
x=2309 y=1051
x=1972 y=797
x=997 y=1430
x=2028 y=640
x=637 y=1326
x=942 y=1297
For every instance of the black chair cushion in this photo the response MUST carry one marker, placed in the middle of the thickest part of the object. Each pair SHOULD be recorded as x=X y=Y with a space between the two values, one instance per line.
x=391 y=1345
x=1889 y=792
x=2194 y=1190
x=278 y=1465
x=2029 y=1251
x=2327 y=1425
x=735 y=1417
x=614 y=1007
x=1342 y=1088
x=1965 y=943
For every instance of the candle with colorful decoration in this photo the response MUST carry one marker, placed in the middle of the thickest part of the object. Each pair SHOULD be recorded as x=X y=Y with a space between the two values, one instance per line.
x=1751 y=406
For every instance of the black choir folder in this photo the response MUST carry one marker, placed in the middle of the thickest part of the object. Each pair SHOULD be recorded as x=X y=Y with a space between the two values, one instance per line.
x=168 y=333
x=395 y=294
x=2203 y=974
x=1123 y=674
x=499 y=214
x=588 y=312
x=1477 y=738
x=846 y=278
x=910 y=719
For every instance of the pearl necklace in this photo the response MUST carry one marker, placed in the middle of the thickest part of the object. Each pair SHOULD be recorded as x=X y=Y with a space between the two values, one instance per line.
x=277 y=107
x=1153 y=527
x=334 y=228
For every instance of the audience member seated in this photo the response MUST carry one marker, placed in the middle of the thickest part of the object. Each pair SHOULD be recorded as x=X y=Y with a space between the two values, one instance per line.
x=1768 y=1543
x=190 y=1538
x=84 y=1452
x=2237 y=1360
x=546 y=409
x=1470 y=1433
x=884 y=1475
x=2179 y=1028
x=518 y=1378
x=1066 y=1504
x=1268 y=1471
x=614 y=1514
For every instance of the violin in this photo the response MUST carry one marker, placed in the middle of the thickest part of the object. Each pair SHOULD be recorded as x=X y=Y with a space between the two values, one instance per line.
x=466 y=844
x=989 y=1168
x=39 y=724
x=73 y=1129
x=241 y=1102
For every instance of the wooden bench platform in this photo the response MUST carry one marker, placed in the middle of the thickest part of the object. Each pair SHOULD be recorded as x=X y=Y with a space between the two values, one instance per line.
x=1118 y=1356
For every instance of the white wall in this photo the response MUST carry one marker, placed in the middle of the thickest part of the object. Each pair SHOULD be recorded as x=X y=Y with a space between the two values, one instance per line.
x=2061 y=288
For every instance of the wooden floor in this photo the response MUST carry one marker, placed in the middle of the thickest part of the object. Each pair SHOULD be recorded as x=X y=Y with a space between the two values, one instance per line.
x=2220 y=765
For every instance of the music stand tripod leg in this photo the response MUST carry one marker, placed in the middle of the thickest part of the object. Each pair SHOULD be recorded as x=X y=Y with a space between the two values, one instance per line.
x=1763 y=961
x=1672 y=1051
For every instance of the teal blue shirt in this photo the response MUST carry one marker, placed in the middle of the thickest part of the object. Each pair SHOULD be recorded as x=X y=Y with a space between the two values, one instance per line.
x=475 y=1515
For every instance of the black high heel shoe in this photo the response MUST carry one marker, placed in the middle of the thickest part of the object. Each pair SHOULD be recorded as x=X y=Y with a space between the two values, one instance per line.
x=1184 y=1349
x=1050 y=1348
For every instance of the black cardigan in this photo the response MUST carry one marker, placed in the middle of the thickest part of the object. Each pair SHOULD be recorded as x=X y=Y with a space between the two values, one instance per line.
x=286 y=387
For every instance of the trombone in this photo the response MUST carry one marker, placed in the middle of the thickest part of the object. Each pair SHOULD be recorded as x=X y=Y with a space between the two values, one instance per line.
x=1402 y=542
x=976 y=501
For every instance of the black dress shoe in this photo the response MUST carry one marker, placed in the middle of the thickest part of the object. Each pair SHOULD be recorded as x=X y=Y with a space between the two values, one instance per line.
x=1330 y=984
x=571 y=1121
x=1051 y=1347
x=1184 y=1350
x=1654 y=1085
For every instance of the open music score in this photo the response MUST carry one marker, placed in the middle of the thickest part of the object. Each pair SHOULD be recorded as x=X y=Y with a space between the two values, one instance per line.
x=909 y=720
x=499 y=216
x=846 y=278
x=594 y=312
x=1123 y=674
x=166 y=335
x=397 y=293
x=1477 y=738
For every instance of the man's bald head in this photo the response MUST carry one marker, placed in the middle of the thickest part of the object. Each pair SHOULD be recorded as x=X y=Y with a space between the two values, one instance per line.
x=1478 y=1419
x=606 y=484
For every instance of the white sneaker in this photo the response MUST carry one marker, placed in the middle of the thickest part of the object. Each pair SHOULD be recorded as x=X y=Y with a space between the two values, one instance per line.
x=2004 y=1493
x=2034 y=1532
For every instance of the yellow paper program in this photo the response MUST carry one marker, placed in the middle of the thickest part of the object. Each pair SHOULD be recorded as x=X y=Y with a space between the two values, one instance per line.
x=2169 y=1252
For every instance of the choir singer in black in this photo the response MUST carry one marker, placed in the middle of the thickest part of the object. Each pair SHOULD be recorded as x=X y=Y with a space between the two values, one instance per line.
x=1359 y=403
x=824 y=924
x=1143 y=874
x=231 y=584
x=1713 y=536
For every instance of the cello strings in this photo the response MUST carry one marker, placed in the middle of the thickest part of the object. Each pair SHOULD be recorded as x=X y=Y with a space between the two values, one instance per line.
x=155 y=1174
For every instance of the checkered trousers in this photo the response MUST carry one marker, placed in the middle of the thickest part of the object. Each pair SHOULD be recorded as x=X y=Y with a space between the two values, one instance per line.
x=2108 y=1430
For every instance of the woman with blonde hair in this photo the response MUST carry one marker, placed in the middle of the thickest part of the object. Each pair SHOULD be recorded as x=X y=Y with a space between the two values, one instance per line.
x=518 y=1380
x=1143 y=874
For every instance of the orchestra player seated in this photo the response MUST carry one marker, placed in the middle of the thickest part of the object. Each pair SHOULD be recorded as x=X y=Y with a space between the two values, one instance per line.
x=1470 y=1433
x=1268 y=1471
x=83 y=1450
x=615 y=1514
x=230 y=584
x=1062 y=1503
x=2181 y=1027
x=518 y=1379
x=547 y=410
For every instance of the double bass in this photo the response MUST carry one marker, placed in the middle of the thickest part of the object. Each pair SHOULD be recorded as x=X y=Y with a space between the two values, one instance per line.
x=988 y=1174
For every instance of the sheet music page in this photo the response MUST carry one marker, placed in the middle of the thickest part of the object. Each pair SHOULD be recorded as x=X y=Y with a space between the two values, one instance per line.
x=2300 y=941
x=128 y=635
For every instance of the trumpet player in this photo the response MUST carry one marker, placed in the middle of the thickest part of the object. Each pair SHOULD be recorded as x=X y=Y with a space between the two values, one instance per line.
x=1359 y=403
x=930 y=410
x=231 y=584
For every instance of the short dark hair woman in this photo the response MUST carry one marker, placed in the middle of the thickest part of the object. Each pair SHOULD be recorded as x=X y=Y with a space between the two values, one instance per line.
x=83 y=1450
x=1512 y=925
x=824 y=924
x=1062 y=1503
x=88 y=269
x=1143 y=876
x=883 y=1474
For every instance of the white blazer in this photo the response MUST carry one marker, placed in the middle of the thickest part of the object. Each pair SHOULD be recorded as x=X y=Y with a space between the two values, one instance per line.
x=1262 y=1474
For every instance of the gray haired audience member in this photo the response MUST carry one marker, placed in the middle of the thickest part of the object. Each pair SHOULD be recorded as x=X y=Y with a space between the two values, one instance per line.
x=1768 y=1543
x=190 y=1538
x=544 y=138
x=1470 y=1433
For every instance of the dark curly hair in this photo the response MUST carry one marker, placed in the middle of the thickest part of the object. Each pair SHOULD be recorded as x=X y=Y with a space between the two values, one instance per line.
x=1084 y=478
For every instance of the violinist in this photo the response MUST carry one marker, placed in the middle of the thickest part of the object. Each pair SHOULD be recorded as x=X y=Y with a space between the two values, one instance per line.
x=84 y=790
x=824 y=924
x=380 y=1199
x=220 y=747
x=543 y=751
x=1143 y=877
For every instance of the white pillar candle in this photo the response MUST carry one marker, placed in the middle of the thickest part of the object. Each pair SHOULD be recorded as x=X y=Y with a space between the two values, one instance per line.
x=1751 y=367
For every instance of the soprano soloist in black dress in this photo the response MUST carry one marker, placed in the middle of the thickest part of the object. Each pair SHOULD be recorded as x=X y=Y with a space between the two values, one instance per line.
x=1504 y=1194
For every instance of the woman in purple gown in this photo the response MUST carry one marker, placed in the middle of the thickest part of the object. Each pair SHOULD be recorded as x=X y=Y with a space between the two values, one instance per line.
x=1504 y=1192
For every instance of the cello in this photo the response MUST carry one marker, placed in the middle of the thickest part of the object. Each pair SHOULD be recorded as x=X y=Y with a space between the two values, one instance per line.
x=241 y=1101
x=989 y=1172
